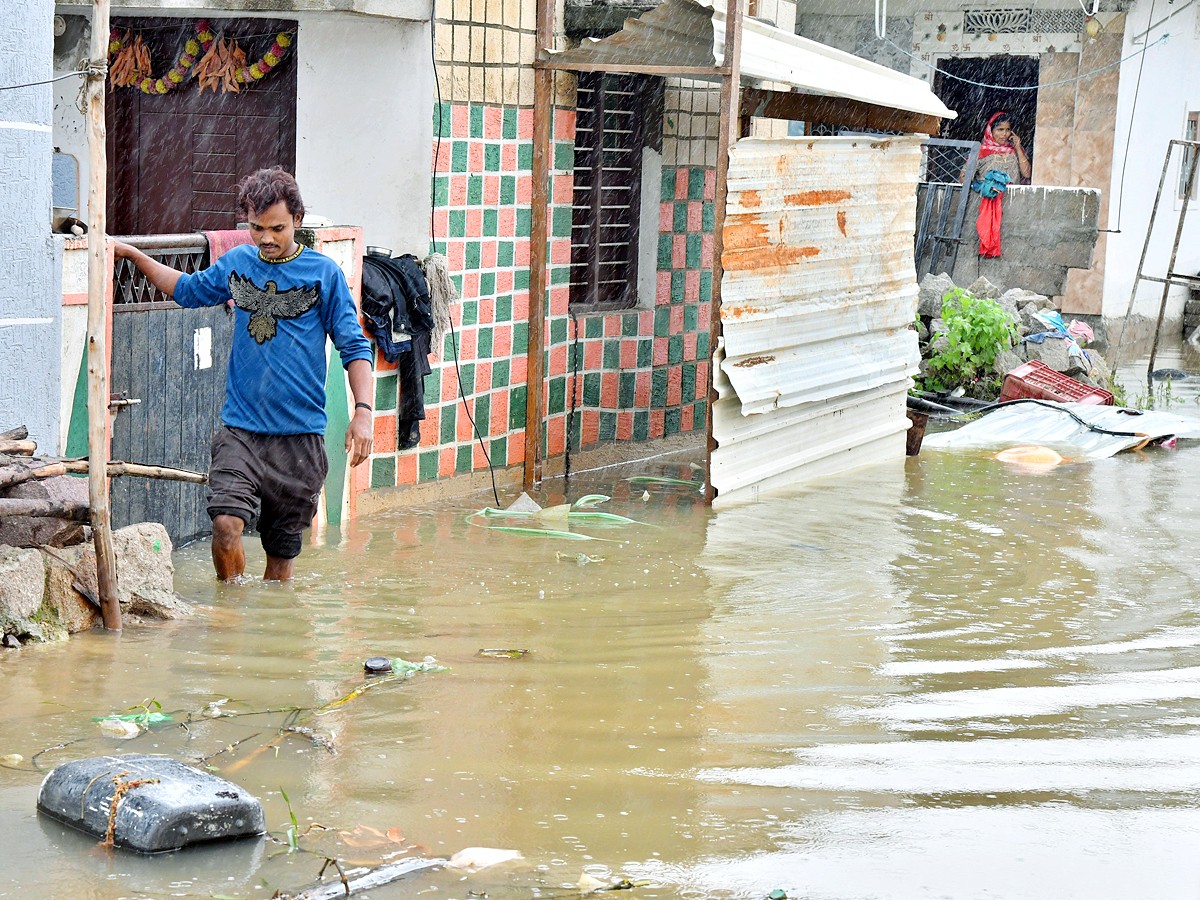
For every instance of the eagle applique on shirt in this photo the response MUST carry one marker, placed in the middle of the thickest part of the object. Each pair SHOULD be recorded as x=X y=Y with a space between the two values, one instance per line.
x=267 y=305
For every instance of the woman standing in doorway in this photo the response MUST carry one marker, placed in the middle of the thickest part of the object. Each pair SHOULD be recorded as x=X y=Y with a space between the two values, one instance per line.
x=1002 y=161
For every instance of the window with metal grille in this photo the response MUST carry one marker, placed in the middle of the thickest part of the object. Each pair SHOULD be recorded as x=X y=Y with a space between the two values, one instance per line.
x=618 y=117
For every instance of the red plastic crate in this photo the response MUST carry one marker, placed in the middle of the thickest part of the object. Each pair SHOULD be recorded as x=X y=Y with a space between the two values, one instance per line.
x=1038 y=381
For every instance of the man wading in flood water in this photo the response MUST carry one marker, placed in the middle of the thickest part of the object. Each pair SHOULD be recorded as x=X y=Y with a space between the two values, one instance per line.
x=268 y=459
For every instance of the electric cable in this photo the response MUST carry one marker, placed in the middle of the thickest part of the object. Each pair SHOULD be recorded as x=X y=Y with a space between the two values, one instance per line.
x=432 y=193
x=1137 y=87
x=575 y=354
x=14 y=87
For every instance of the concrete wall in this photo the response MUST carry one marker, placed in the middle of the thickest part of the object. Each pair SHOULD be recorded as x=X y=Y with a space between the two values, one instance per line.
x=1045 y=232
x=29 y=295
x=1170 y=88
x=363 y=127
x=364 y=130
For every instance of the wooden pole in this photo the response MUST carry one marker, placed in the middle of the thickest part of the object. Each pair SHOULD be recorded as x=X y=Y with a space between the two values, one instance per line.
x=97 y=323
x=535 y=374
x=729 y=128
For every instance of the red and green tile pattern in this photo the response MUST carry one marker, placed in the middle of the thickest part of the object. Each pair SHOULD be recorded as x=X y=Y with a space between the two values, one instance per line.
x=622 y=376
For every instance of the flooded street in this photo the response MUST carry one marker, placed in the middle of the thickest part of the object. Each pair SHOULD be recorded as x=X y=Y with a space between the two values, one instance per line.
x=948 y=679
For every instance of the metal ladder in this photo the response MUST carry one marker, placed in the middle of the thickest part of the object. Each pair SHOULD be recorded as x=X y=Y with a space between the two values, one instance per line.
x=1171 y=278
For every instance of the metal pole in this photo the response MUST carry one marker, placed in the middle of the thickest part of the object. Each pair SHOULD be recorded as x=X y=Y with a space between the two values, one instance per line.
x=729 y=126
x=97 y=323
x=535 y=373
x=1142 y=261
x=1162 y=307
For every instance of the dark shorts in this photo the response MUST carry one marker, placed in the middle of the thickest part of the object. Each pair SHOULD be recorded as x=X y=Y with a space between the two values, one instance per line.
x=271 y=482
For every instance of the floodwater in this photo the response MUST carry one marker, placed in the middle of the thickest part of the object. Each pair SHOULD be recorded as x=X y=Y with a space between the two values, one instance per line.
x=947 y=678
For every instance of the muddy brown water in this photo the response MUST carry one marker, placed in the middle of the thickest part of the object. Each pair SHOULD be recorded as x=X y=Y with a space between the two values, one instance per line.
x=941 y=679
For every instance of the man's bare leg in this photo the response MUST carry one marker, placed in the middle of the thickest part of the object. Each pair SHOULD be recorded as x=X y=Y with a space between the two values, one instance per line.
x=279 y=569
x=229 y=556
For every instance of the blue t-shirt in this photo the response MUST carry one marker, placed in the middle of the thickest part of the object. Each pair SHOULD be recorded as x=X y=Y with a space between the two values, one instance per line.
x=277 y=366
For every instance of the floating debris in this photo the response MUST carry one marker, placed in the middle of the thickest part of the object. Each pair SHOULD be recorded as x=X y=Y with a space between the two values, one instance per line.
x=580 y=559
x=502 y=654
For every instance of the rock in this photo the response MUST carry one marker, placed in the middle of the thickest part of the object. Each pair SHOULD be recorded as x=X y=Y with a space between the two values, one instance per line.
x=1099 y=372
x=1006 y=361
x=11 y=641
x=941 y=343
x=44 y=531
x=981 y=287
x=1055 y=353
x=1030 y=323
x=22 y=584
x=922 y=332
x=64 y=609
x=937 y=326
x=145 y=572
x=145 y=579
x=933 y=289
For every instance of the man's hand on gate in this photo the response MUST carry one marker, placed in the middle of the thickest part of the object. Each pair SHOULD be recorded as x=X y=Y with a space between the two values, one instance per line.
x=359 y=436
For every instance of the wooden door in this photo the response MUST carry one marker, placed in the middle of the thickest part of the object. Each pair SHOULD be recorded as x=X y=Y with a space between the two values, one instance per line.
x=175 y=159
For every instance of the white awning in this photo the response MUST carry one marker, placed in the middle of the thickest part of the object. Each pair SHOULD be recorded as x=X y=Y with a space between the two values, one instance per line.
x=691 y=35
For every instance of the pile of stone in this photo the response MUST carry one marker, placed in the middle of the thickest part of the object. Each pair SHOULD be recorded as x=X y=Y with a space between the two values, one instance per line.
x=1062 y=353
x=48 y=586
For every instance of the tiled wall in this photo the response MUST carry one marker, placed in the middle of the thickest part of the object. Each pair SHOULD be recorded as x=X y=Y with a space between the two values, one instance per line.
x=625 y=376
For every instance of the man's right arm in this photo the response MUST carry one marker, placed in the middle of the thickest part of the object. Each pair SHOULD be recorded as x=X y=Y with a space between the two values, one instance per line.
x=160 y=275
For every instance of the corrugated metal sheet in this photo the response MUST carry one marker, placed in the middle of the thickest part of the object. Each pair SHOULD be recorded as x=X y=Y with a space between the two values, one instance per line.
x=818 y=295
x=687 y=33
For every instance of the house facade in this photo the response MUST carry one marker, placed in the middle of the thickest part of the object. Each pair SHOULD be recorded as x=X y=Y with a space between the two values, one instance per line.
x=1096 y=99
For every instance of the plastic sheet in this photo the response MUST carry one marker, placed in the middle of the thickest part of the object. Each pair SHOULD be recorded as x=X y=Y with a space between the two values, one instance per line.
x=1058 y=425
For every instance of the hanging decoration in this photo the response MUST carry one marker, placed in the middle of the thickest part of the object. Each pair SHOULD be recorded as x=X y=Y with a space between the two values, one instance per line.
x=222 y=63
x=130 y=64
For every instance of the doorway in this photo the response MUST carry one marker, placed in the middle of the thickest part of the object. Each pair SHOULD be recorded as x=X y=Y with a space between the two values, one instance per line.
x=178 y=157
x=975 y=102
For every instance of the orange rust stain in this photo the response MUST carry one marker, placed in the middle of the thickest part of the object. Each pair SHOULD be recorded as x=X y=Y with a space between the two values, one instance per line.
x=745 y=236
x=751 y=361
x=751 y=199
x=765 y=257
x=841 y=220
x=736 y=312
x=815 y=198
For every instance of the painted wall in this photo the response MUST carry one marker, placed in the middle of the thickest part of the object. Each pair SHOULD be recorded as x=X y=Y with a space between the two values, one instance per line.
x=29 y=297
x=363 y=130
x=1170 y=88
x=620 y=376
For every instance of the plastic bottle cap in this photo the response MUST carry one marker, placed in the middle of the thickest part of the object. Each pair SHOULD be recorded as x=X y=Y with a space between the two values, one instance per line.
x=377 y=665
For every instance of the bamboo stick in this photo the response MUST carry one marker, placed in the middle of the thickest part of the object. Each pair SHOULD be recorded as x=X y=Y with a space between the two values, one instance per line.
x=18 y=448
x=15 y=434
x=76 y=510
x=535 y=373
x=116 y=467
x=11 y=476
x=97 y=322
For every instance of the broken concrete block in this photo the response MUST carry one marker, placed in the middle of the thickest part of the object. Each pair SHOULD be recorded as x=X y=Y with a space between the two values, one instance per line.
x=161 y=804
x=933 y=289
x=145 y=572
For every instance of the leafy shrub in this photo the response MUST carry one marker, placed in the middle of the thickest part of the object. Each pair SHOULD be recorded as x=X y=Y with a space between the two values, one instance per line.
x=977 y=330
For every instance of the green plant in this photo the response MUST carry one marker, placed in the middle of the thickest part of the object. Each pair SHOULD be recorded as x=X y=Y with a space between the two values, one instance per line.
x=977 y=330
x=146 y=713
x=293 y=832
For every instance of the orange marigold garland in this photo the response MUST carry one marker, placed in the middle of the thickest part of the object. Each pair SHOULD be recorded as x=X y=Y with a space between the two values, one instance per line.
x=131 y=66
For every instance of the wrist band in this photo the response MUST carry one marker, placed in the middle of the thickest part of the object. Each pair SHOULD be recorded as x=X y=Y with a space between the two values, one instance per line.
x=366 y=406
